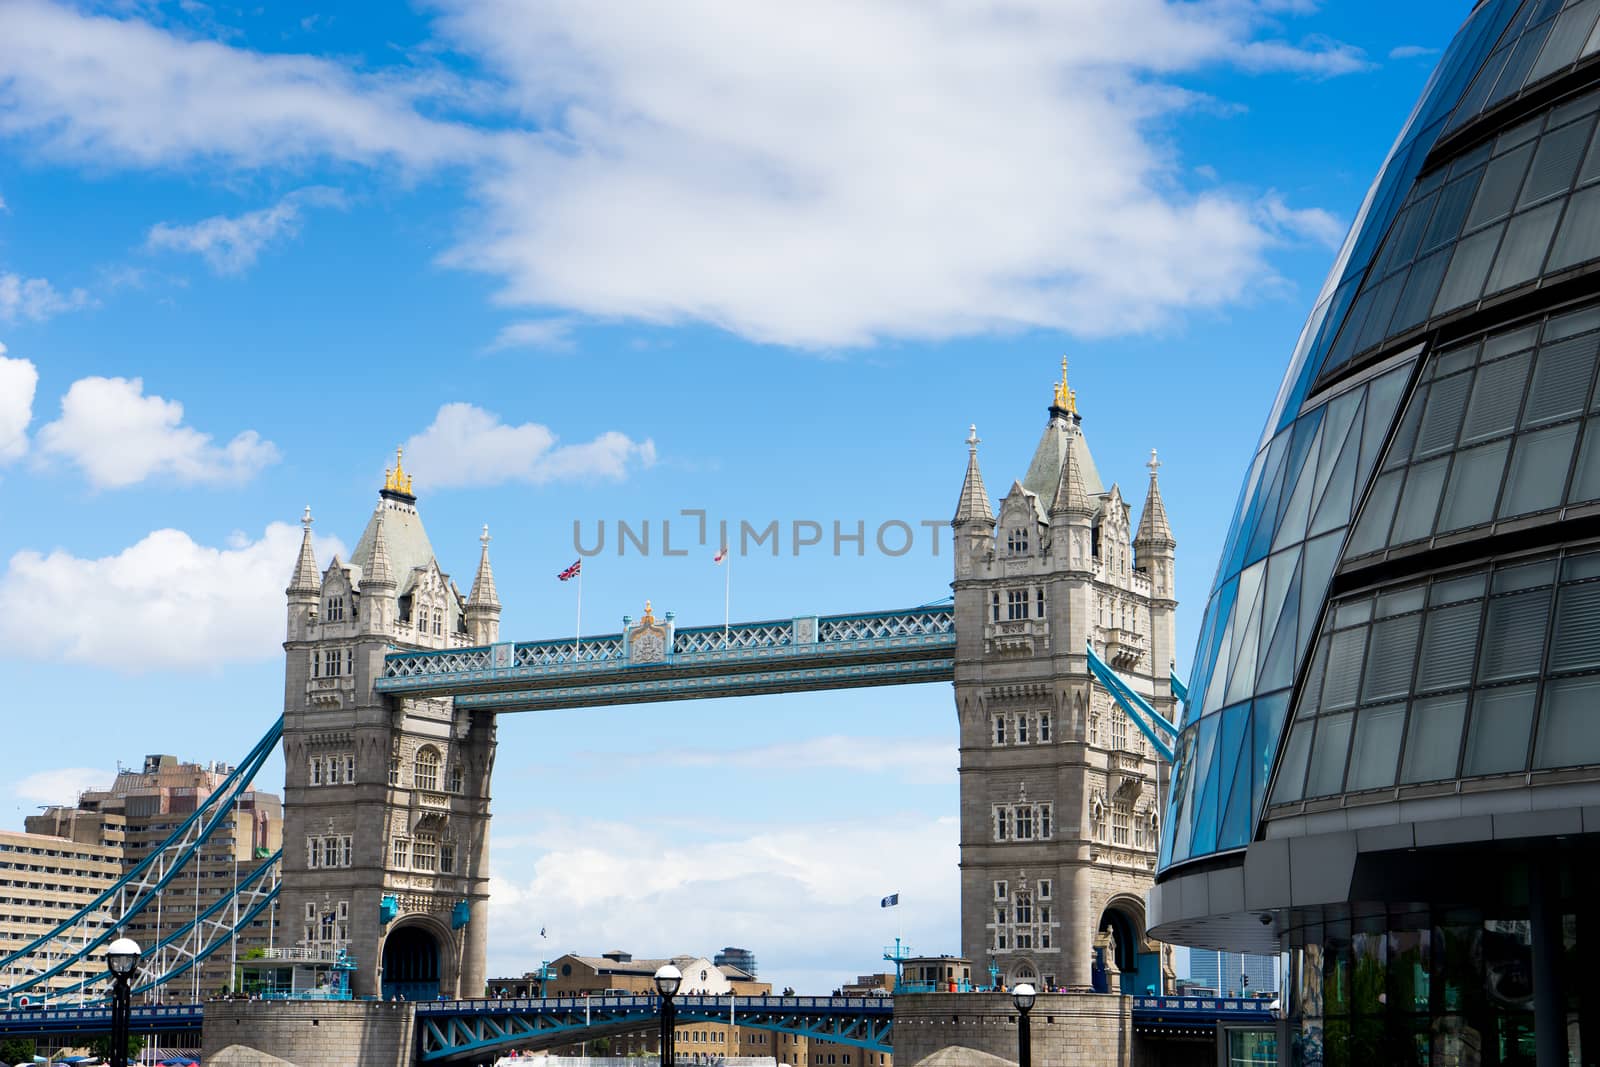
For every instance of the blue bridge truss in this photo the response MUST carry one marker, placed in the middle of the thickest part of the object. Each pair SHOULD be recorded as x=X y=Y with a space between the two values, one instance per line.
x=783 y=656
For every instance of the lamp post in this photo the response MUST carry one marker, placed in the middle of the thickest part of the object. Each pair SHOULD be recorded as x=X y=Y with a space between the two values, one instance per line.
x=1022 y=996
x=121 y=958
x=668 y=981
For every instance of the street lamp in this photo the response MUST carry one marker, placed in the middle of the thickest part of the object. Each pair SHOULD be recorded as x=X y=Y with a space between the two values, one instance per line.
x=121 y=958
x=668 y=981
x=1023 y=996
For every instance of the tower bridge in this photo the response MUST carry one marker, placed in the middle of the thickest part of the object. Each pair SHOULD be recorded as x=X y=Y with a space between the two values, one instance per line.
x=394 y=679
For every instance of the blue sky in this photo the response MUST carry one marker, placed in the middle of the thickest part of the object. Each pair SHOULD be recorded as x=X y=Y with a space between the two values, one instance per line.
x=592 y=268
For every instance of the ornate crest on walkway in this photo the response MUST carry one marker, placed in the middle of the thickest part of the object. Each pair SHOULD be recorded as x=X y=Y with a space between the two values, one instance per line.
x=648 y=640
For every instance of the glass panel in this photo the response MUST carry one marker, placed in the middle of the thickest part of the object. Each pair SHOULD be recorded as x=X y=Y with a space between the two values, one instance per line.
x=1522 y=57
x=1578 y=240
x=1561 y=379
x=1572 y=30
x=1510 y=579
x=1345 y=651
x=1586 y=482
x=1556 y=163
x=1433 y=739
x=1513 y=636
x=1464 y=282
x=1474 y=484
x=1538 y=470
x=1353 y=611
x=1390 y=658
x=1449 y=645
x=1522 y=253
x=1591 y=162
x=1419 y=501
x=1450 y=590
x=1578 y=567
x=1496 y=398
x=1377 y=747
x=1292 y=771
x=1442 y=420
x=1571 y=324
x=1452 y=208
x=1501 y=183
x=1575 y=642
x=1498 y=740
x=1569 y=723
x=1328 y=753
x=1372 y=532
x=1400 y=601
x=1421 y=288
x=1406 y=436
x=1505 y=343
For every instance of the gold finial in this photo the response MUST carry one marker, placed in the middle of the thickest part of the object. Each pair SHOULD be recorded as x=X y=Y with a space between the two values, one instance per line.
x=648 y=617
x=397 y=480
x=1065 y=398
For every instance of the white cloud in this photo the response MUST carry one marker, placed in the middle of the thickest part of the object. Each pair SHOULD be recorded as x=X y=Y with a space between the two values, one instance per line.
x=804 y=895
x=924 y=760
x=861 y=172
x=61 y=785
x=468 y=446
x=1311 y=224
x=1411 y=51
x=113 y=90
x=553 y=335
x=18 y=380
x=35 y=298
x=118 y=436
x=230 y=244
x=165 y=602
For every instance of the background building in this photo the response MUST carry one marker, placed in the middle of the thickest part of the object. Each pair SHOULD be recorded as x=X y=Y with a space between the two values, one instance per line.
x=741 y=958
x=45 y=880
x=1226 y=972
x=1060 y=794
x=1390 y=764
x=140 y=810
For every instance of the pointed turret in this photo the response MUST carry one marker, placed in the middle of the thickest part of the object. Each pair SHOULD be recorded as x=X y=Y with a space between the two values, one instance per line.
x=306 y=581
x=379 y=572
x=974 y=503
x=483 y=604
x=1154 y=530
x=1072 y=496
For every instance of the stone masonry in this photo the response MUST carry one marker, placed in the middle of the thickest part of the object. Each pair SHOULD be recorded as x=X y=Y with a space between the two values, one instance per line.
x=1081 y=1029
x=309 y=1034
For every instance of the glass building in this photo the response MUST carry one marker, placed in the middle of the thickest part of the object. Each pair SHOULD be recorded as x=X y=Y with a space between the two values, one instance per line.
x=1389 y=766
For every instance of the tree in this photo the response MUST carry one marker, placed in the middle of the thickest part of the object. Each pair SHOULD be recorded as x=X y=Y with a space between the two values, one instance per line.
x=17 y=1050
x=101 y=1046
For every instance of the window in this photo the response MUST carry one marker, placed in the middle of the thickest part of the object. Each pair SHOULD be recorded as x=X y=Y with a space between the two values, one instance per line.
x=1023 y=906
x=394 y=770
x=455 y=778
x=335 y=657
x=350 y=768
x=999 y=891
x=1044 y=892
x=1022 y=729
x=1039 y=602
x=1119 y=732
x=313 y=856
x=330 y=852
x=316 y=664
x=994 y=600
x=438 y=621
x=316 y=770
x=335 y=765
x=1017 y=540
x=1044 y=832
x=999 y=729
x=336 y=608
x=350 y=661
x=447 y=858
x=425 y=853
x=1016 y=604
x=425 y=771
x=1024 y=823
x=346 y=854
x=1000 y=824
x=402 y=852
x=1044 y=727
x=1121 y=823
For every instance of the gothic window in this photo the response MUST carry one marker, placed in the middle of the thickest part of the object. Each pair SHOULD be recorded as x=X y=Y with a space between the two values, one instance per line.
x=438 y=621
x=1017 y=540
x=327 y=926
x=1001 y=824
x=335 y=667
x=1119 y=731
x=313 y=855
x=402 y=852
x=1044 y=894
x=455 y=778
x=447 y=857
x=1097 y=819
x=1024 y=823
x=350 y=768
x=999 y=729
x=336 y=608
x=999 y=891
x=1022 y=729
x=1023 y=905
x=330 y=852
x=1044 y=938
x=1016 y=604
x=394 y=770
x=316 y=664
x=334 y=766
x=1000 y=928
x=311 y=912
x=425 y=771
x=316 y=770
x=425 y=853
x=1039 y=602
x=350 y=661
x=346 y=851
x=1121 y=823
x=1044 y=727
x=1044 y=826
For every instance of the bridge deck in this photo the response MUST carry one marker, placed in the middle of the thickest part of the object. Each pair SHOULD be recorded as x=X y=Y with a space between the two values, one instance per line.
x=774 y=656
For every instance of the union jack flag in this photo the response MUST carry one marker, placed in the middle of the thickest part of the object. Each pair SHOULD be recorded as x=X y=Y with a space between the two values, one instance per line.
x=572 y=571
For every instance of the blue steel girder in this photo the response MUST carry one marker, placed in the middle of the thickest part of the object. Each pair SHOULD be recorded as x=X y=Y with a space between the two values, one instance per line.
x=456 y=1029
x=805 y=653
x=157 y=1018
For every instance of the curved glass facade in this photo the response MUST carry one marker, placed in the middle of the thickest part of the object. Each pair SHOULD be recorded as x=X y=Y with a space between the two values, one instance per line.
x=1489 y=199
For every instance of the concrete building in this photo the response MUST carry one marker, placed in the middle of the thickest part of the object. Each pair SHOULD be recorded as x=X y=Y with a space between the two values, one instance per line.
x=1390 y=768
x=140 y=810
x=44 y=880
x=618 y=971
x=1060 y=795
x=388 y=800
x=741 y=958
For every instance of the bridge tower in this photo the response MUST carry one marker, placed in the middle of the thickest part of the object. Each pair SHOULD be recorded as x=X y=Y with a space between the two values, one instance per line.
x=1060 y=794
x=386 y=800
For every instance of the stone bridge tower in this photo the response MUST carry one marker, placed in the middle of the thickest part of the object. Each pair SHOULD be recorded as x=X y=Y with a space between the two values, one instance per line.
x=1060 y=793
x=386 y=801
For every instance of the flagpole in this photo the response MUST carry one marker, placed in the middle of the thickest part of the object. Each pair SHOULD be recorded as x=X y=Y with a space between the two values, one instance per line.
x=577 y=639
x=727 y=584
